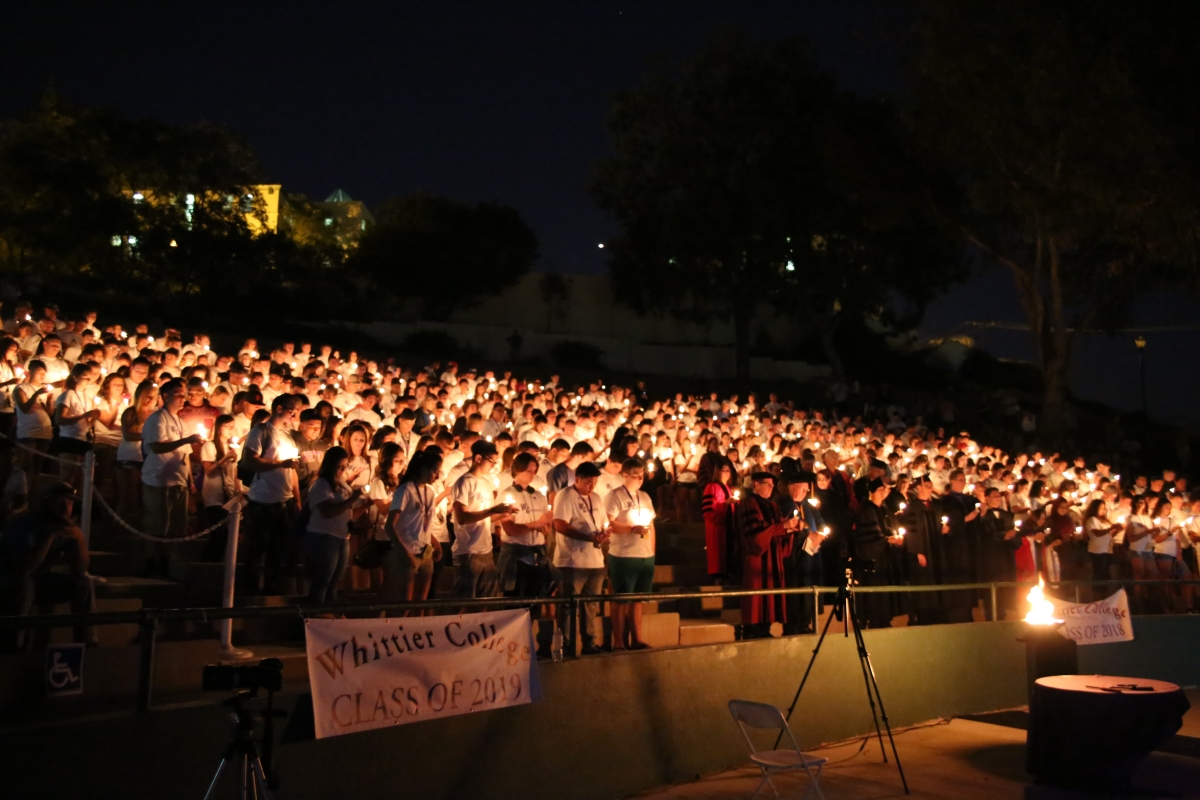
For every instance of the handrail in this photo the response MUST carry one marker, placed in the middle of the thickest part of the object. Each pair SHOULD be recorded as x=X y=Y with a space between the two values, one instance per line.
x=212 y=614
x=147 y=619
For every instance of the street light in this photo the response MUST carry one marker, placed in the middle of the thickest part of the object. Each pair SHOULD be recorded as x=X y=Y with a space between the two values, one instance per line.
x=1140 y=344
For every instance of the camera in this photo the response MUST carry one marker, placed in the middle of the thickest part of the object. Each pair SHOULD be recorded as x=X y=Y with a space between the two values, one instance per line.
x=266 y=674
x=857 y=567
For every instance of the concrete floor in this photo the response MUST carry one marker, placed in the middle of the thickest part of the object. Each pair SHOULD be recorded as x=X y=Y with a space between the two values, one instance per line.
x=947 y=761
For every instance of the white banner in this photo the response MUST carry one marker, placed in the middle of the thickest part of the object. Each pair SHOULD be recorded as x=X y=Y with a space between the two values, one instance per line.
x=1100 y=622
x=375 y=673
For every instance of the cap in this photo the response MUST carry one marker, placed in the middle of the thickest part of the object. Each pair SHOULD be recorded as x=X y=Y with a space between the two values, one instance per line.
x=762 y=476
x=254 y=397
x=875 y=484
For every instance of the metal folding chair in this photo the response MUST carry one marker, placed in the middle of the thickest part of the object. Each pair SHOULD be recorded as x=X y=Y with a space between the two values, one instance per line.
x=767 y=717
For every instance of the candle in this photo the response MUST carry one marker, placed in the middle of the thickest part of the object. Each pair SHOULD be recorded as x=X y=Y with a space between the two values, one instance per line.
x=814 y=502
x=945 y=520
x=737 y=494
x=900 y=532
x=903 y=506
x=825 y=531
x=508 y=498
x=200 y=430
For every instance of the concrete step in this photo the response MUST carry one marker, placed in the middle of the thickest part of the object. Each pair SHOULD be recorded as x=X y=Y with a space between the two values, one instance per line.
x=114 y=563
x=680 y=575
x=703 y=631
x=153 y=592
x=681 y=556
x=109 y=635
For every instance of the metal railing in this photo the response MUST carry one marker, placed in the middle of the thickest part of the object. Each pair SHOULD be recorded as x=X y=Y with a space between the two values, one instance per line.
x=148 y=619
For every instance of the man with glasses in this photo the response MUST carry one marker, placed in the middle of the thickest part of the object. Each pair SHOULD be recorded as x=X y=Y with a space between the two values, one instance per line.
x=523 y=566
x=166 y=473
x=270 y=453
x=631 y=552
x=581 y=525
x=474 y=508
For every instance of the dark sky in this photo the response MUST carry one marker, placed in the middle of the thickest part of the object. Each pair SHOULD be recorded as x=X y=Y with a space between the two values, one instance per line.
x=496 y=101
x=499 y=101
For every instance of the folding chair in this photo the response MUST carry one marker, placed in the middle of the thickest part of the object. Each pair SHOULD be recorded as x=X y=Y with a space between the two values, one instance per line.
x=768 y=717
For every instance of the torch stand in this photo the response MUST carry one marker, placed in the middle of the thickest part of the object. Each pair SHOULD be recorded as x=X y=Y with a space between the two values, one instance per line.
x=1047 y=652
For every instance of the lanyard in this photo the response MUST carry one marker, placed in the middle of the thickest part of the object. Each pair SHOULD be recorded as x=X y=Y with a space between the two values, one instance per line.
x=637 y=501
x=591 y=514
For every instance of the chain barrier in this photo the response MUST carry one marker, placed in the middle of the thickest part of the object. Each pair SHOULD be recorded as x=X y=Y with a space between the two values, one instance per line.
x=166 y=539
x=117 y=517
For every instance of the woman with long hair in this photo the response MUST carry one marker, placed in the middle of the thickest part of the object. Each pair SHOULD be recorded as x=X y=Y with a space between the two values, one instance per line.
x=389 y=467
x=1099 y=532
x=327 y=535
x=110 y=401
x=409 y=565
x=218 y=484
x=1139 y=526
x=354 y=441
x=716 y=506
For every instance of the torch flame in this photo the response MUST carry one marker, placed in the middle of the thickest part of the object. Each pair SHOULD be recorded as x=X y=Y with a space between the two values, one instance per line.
x=1041 y=610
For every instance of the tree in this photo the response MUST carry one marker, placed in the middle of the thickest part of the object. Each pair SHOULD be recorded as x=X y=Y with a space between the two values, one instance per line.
x=449 y=254
x=742 y=179
x=130 y=207
x=1071 y=127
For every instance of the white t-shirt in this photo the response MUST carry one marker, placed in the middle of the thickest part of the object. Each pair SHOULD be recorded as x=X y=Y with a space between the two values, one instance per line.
x=1098 y=544
x=531 y=507
x=170 y=468
x=626 y=507
x=273 y=485
x=1170 y=545
x=1136 y=524
x=321 y=492
x=214 y=490
x=608 y=483
x=71 y=404
x=104 y=434
x=475 y=494
x=416 y=511
x=36 y=423
x=584 y=514
x=378 y=491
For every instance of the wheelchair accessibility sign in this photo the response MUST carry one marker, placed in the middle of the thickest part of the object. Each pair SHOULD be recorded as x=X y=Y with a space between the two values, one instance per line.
x=64 y=669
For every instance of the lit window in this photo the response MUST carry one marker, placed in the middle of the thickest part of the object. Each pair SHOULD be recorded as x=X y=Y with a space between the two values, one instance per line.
x=190 y=199
x=116 y=240
x=363 y=224
x=328 y=221
x=132 y=241
x=790 y=267
x=138 y=197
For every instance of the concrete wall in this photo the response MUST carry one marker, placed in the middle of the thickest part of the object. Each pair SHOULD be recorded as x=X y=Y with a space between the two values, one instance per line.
x=625 y=353
x=609 y=726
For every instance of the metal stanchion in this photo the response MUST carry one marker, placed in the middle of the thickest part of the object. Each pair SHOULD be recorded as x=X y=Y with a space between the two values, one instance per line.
x=228 y=651
x=85 y=511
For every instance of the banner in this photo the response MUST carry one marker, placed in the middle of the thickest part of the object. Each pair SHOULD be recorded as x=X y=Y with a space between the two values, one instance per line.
x=1100 y=622
x=375 y=673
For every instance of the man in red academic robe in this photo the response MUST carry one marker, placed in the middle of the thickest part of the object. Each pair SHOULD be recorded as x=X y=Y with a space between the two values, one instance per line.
x=767 y=542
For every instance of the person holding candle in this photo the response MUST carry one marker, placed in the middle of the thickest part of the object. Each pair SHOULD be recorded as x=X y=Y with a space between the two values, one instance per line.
x=327 y=534
x=924 y=526
x=218 y=484
x=804 y=566
x=408 y=566
x=999 y=541
x=523 y=565
x=473 y=501
x=581 y=528
x=716 y=506
x=74 y=415
x=631 y=552
x=959 y=544
x=766 y=545
x=270 y=454
x=166 y=474
x=875 y=530
x=1099 y=531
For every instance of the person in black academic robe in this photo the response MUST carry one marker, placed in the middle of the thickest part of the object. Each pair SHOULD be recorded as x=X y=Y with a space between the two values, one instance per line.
x=923 y=528
x=767 y=542
x=998 y=545
x=874 y=536
x=959 y=512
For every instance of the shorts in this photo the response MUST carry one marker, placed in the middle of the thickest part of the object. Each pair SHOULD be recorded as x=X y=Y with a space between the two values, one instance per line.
x=474 y=575
x=631 y=575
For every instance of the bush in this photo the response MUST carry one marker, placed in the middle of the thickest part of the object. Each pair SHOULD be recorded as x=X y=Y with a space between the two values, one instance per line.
x=431 y=343
x=568 y=354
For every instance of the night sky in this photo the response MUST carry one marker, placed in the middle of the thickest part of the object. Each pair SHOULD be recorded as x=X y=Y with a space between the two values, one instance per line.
x=485 y=101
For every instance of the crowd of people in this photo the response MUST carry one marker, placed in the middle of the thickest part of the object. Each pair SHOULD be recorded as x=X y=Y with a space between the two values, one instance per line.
x=366 y=475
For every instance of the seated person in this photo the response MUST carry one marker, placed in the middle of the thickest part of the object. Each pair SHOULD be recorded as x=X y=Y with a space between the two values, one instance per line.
x=35 y=542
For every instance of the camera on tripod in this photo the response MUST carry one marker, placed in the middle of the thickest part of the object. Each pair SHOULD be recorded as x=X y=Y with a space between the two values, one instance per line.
x=266 y=674
x=857 y=567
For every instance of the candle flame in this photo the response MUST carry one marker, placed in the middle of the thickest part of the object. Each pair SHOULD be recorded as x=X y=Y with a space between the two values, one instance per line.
x=1041 y=610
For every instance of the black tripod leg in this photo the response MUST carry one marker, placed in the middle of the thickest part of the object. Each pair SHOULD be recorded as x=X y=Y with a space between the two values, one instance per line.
x=811 y=661
x=872 y=694
x=213 y=786
x=864 y=666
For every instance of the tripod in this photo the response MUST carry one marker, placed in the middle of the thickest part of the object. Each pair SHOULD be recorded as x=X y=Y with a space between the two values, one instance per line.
x=845 y=603
x=243 y=749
